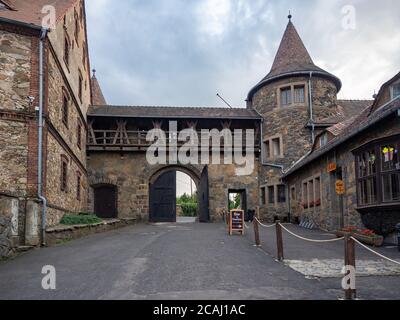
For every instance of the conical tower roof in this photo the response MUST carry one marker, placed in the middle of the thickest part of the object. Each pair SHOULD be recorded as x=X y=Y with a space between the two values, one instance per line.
x=97 y=94
x=293 y=59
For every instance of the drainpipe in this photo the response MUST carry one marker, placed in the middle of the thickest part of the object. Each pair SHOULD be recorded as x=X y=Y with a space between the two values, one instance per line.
x=42 y=199
x=311 y=108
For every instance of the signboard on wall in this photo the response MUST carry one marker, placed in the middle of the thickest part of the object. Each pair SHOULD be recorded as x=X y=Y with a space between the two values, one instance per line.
x=236 y=221
x=332 y=167
x=340 y=187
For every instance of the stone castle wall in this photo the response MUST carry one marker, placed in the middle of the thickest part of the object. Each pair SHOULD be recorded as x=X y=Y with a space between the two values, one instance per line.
x=132 y=173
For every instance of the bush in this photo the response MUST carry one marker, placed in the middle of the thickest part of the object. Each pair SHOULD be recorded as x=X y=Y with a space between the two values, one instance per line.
x=70 y=220
x=189 y=209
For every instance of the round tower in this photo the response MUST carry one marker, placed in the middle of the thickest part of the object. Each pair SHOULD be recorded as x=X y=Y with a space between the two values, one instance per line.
x=295 y=99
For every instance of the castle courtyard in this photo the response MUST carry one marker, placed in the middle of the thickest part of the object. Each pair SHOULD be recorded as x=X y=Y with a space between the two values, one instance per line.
x=182 y=262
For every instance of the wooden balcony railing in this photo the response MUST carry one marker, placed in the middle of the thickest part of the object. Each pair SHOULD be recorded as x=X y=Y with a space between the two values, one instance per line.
x=106 y=139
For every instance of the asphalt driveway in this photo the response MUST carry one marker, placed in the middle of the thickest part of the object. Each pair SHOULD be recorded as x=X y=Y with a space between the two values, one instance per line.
x=167 y=261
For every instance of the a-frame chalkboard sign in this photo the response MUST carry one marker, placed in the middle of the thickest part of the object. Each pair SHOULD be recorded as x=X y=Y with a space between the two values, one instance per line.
x=236 y=222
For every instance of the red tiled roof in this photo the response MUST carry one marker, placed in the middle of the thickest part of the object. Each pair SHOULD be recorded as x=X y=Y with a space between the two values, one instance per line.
x=29 y=11
x=346 y=109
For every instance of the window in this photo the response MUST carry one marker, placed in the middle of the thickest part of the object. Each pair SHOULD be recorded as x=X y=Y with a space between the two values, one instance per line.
x=271 y=195
x=80 y=88
x=378 y=172
x=396 y=90
x=273 y=148
x=78 y=186
x=305 y=195
x=267 y=149
x=79 y=134
x=276 y=147
x=312 y=193
x=66 y=50
x=299 y=94
x=390 y=172
x=263 y=200
x=65 y=108
x=281 y=194
x=323 y=140
x=317 y=192
x=293 y=194
x=64 y=174
x=286 y=96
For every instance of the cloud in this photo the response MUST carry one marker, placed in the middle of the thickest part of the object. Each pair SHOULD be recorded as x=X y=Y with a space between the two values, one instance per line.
x=178 y=52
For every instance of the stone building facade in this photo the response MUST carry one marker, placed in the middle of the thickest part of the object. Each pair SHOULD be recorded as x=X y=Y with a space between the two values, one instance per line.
x=94 y=154
x=363 y=152
x=66 y=98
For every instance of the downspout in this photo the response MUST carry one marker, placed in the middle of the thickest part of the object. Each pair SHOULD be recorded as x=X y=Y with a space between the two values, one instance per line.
x=42 y=199
x=311 y=108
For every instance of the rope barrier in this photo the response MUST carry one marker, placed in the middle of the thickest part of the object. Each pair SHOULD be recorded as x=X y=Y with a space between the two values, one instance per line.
x=310 y=240
x=246 y=226
x=373 y=251
x=264 y=225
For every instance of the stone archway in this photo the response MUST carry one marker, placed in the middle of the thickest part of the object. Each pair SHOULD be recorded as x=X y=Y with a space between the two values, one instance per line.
x=162 y=193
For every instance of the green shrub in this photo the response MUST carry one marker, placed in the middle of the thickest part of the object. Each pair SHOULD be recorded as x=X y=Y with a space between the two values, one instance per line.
x=80 y=219
x=189 y=209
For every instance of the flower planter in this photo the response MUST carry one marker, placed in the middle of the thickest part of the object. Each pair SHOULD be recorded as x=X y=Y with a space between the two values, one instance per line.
x=375 y=240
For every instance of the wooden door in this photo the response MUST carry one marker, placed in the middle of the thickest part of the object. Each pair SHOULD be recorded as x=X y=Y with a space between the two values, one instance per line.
x=105 y=202
x=163 y=198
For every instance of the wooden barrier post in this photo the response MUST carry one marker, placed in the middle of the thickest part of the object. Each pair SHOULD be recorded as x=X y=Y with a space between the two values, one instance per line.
x=256 y=232
x=279 y=241
x=350 y=261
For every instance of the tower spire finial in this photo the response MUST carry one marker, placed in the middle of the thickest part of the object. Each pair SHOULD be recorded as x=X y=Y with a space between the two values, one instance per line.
x=94 y=72
x=290 y=16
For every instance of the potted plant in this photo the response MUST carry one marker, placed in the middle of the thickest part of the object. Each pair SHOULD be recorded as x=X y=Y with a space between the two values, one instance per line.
x=318 y=203
x=304 y=205
x=311 y=204
x=365 y=236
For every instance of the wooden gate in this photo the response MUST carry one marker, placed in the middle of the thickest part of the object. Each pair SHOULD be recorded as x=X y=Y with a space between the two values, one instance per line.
x=163 y=198
x=105 y=202
x=203 y=194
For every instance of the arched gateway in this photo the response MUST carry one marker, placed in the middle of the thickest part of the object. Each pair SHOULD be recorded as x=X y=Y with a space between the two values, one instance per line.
x=162 y=193
x=117 y=151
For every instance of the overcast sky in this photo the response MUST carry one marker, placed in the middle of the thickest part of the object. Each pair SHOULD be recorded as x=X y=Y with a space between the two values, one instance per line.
x=182 y=52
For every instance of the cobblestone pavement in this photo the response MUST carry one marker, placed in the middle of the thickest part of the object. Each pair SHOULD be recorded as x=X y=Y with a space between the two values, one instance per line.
x=333 y=268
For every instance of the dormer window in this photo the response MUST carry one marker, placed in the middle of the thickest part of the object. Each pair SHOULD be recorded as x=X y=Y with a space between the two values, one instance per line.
x=323 y=140
x=396 y=90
